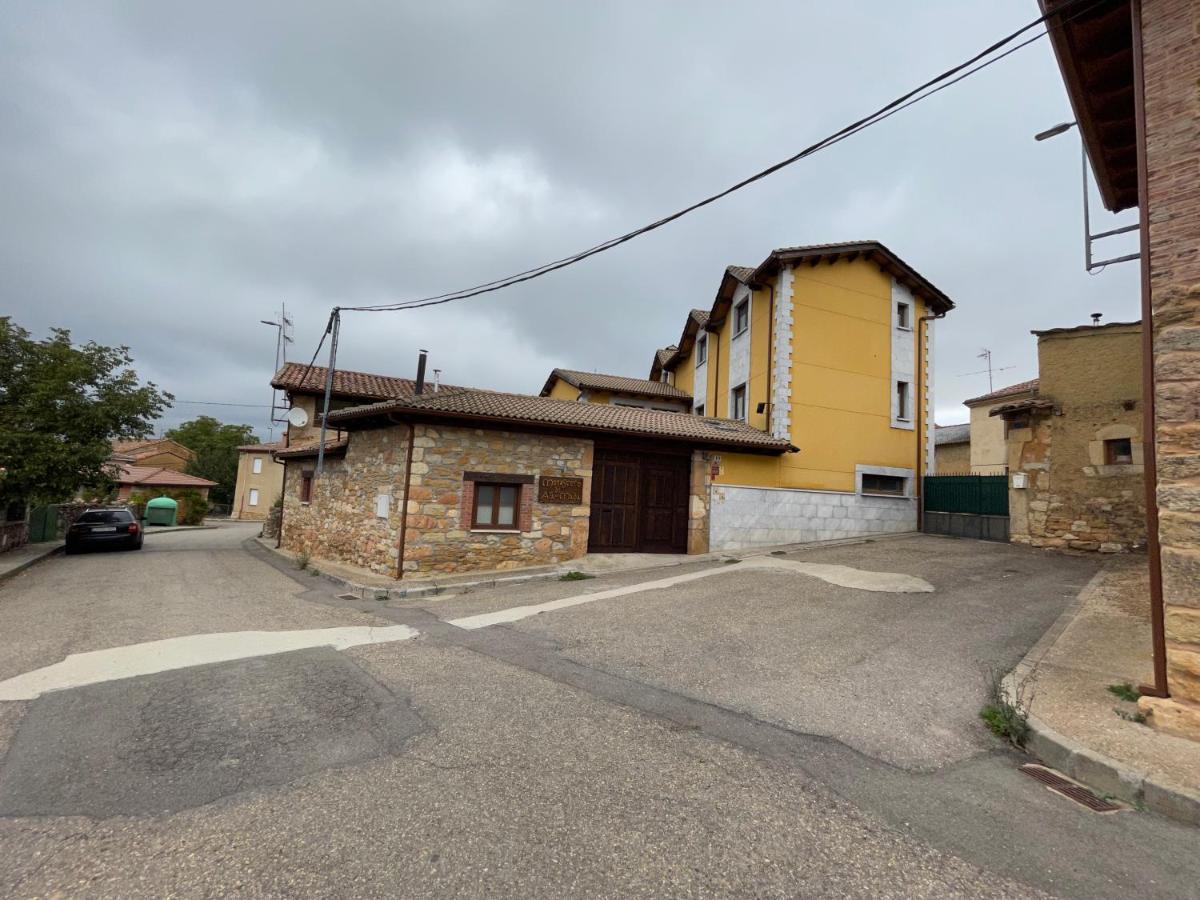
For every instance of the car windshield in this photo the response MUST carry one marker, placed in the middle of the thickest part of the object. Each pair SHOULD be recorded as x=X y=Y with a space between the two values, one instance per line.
x=105 y=517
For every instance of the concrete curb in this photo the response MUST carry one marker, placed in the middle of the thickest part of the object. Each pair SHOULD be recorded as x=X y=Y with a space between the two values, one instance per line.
x=378 y=592
x=32 y=561
x=1100 y=772
x=1109 y=777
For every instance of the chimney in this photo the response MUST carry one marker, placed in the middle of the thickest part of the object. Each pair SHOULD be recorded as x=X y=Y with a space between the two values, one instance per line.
x=420 y=388
x=437 y=380
x=1096 y=318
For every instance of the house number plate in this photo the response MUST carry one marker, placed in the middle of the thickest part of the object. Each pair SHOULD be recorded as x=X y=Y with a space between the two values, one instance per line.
x=562 y=491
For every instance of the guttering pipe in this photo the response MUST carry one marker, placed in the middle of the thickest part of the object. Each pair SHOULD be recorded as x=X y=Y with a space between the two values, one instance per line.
x=408 y=455
x=1149 y=450
x=923 y=396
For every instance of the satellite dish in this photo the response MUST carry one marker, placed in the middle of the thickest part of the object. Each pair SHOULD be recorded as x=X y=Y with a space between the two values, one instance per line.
x=297 y=416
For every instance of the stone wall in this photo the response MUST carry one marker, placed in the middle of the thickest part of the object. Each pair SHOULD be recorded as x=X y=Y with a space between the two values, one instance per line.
x=1073 y=499
x=343 y=521
x=1172 y=83
x=440 y=538
x=746 y=517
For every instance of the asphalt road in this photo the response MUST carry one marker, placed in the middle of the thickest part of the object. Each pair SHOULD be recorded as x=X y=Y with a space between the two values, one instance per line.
x=751 y=734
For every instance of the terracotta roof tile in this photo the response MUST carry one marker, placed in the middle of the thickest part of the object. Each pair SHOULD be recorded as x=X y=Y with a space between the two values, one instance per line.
x=159 y=476
x=642 y=387
x=744 y=274
x=521 y=409
x=297 y=378
x=261 y=448
x=1021 y=388
x=310 y=448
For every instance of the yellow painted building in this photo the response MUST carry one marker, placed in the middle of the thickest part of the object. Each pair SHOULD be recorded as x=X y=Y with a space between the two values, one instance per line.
x=617 y=390
x=820 y=345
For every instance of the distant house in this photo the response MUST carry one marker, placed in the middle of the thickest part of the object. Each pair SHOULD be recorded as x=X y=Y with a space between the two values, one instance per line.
x=158 y=481
x=1074 y=444
x=259 y=481
x=989 y=451
x=952 y=449
x=592 y=387
x=162 y=453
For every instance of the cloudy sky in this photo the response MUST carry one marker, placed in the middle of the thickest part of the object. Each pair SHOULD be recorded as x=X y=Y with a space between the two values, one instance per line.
x=170 y=173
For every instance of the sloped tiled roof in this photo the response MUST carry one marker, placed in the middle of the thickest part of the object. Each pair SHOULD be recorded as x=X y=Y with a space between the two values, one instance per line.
x=311 y=448
x=298 y=378
x=1021 y=388
x=642 y=387
x=665 y=354
x=159 y=476
x=523 y=410
x=261 y=448
x=952 y=434
x=744 y=274
x=143 y=447
x=875 y=251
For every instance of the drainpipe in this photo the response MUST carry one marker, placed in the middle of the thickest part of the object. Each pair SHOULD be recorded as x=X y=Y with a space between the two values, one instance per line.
x=1149 y=442
x=922 y=396
x=408 y=455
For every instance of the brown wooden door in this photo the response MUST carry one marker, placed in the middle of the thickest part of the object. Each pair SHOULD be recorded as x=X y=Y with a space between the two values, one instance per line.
x=664 y=505
x=616 y=480
x=639 y=502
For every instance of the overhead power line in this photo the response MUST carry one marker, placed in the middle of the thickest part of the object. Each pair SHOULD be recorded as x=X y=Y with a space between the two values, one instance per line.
x=940 y=82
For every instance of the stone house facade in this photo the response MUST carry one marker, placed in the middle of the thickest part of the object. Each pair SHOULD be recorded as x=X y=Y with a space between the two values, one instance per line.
x=1132 y=73
x=1075 y=448
x=463 y=481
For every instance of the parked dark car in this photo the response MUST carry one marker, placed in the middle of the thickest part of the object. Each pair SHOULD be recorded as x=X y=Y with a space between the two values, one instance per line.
x=99 y=528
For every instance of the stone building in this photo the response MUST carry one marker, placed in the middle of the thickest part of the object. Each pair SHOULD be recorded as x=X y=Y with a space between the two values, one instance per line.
x=1132 y=73
x=989 y=448
x=952 y=449
x=465 y=480
x=1075 y=446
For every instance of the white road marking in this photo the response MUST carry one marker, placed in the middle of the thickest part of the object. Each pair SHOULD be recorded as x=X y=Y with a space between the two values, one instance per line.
x=192 y=650
x=844 y=576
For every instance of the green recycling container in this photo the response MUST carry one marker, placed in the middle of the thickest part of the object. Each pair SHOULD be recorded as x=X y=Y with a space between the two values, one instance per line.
x=161 y=511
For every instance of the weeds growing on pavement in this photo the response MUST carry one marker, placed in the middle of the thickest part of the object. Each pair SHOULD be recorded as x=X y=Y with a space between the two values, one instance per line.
x=1139 y=717
x=1007 y=711
x=575 y=576
x=1124 y=691
x=301 y=561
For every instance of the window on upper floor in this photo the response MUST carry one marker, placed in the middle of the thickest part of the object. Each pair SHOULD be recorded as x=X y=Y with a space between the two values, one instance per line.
x=306 y=480
x=903 y=401
x=741 y=317
x=737 y=403
x=701 y=349
x=1118 y=452
x=903 y=316
x=256 y=466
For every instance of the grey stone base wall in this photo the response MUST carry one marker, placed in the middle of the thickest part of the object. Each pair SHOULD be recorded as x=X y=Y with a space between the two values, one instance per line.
x=746 y=517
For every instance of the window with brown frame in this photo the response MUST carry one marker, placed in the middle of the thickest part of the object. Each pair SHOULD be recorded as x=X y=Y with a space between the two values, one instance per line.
x=741 y=317
x=306 y=479
x=497 y=506
x=1118 y=452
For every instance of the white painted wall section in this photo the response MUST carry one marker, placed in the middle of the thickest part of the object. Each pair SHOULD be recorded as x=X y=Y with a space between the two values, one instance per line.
x=700 y=378
x=739 y=350
x=781 y=353
x=904 y=363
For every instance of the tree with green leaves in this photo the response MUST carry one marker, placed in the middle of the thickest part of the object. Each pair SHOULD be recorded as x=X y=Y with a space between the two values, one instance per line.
x=215 y=445
x=61 y=406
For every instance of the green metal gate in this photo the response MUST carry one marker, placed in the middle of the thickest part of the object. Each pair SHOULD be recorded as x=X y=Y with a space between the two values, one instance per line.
x=43 y=524
x=966 y=506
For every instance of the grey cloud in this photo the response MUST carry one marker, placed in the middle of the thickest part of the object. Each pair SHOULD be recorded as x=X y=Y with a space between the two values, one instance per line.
x=172 y=172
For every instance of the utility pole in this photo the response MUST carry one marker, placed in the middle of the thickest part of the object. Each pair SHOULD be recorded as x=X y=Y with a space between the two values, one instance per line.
x=335 y=323
x=283 y=336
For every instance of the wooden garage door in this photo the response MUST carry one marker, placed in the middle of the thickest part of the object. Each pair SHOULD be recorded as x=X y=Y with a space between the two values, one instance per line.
x=639 y=502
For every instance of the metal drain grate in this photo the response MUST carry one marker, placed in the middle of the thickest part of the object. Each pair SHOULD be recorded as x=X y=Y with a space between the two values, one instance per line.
x=1067 y=788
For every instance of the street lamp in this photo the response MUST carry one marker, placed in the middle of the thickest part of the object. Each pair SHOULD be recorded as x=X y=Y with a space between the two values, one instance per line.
x=1088 y=237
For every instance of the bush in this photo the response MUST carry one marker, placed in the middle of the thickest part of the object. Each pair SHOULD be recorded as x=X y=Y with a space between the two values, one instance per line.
x=193 y=507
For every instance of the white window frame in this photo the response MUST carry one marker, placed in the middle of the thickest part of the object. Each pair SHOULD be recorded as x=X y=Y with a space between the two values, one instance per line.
x=903 y=319
x=903 y=400
x=253 y=497
x=256 y=465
